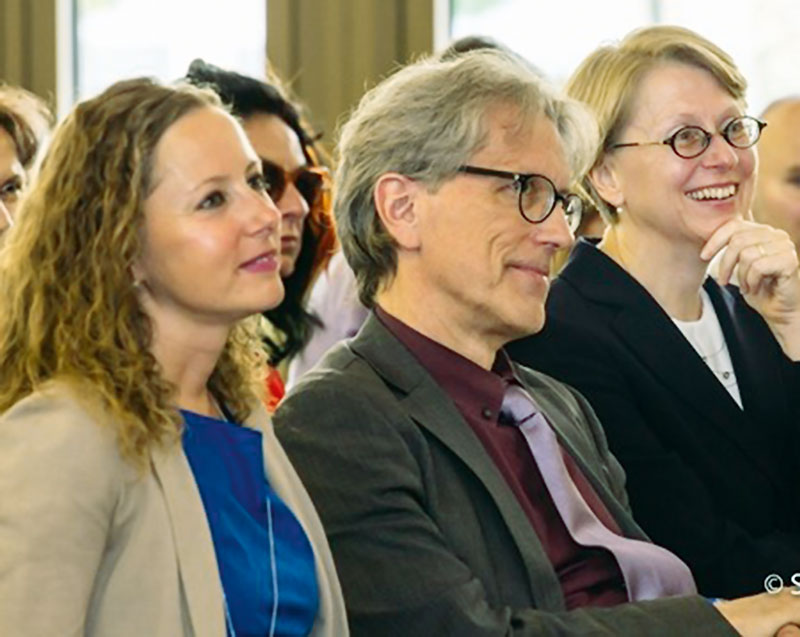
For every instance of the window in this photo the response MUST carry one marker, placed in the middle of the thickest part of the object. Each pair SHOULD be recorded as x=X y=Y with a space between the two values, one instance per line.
x=762 y=36
x=117 y=39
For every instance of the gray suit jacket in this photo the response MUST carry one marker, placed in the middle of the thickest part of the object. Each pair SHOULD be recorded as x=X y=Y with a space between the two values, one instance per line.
x=427 y=537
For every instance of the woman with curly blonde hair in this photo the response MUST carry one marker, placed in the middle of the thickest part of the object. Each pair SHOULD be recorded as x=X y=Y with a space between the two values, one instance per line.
x=300 y=187
x=142 y=490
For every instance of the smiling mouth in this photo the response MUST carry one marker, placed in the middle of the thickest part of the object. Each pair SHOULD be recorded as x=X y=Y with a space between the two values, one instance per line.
x=719 y=193
x=262 y=261
x=531 y=269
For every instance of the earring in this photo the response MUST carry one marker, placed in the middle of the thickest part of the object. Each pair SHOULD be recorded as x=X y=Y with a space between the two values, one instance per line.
x=619 y=210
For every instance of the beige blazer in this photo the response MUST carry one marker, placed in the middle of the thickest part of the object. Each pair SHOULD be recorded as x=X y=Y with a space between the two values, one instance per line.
x=88 y=546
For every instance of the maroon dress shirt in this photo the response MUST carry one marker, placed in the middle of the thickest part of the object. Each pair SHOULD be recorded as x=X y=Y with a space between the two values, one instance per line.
x=588 y=576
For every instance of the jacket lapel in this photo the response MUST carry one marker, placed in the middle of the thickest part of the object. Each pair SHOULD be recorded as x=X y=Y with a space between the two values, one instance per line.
x=197 y=563
x=756 y=361
x=582 y=457
x=431 y=409
x=643 y=327
x=659 y=345
x=757 y=380
x=281 y=476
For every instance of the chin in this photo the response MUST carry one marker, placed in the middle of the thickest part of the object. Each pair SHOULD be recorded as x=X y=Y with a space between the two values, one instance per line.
x=287 y=267
x=704 y=232
x=528 y=325
x=269 y=297
x=535 y=328
x=699 y=229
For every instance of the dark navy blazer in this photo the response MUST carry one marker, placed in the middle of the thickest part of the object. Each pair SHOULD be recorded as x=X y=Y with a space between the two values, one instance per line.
x=715 y=484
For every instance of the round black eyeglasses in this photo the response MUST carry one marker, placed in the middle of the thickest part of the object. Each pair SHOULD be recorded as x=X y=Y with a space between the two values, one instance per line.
x=691 y=141
x=537 y=195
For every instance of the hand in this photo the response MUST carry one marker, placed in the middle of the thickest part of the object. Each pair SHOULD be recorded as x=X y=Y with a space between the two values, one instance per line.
x=769 y=276
x=765 y=615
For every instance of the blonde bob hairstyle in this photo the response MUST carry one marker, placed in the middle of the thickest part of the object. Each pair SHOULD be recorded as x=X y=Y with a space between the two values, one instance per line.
x=608 y=79
x=426 y=121
x=70 y=307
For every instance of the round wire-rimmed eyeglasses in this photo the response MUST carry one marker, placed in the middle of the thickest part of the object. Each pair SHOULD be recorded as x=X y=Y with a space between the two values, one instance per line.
x=689 y=142
x=538 y=195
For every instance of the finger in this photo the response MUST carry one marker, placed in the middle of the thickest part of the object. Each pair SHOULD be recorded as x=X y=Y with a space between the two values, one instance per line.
x=790 y=630
x=754 y=272
x=738 y=249
x=751 y=241
x=720 y=238
x=726 y=265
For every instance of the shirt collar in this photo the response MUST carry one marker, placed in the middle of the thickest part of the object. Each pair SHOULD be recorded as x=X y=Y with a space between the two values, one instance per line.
x=476 y=392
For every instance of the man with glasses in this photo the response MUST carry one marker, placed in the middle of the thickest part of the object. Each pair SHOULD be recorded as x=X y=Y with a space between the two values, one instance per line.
x=464 y=495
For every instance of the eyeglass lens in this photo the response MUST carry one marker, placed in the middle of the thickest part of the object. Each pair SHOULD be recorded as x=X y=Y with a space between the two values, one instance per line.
x=538 y=198
x=307 y=182
x=741 y=132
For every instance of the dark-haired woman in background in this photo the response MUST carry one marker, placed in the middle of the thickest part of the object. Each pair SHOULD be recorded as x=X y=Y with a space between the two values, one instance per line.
x=300 y=188
x=24 y=123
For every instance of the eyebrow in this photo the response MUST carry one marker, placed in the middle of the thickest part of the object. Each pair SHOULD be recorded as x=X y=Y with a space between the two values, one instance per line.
x=12 y=171
x=265 y=160
x=254 y=163
x=733 y=111
x=11 y=176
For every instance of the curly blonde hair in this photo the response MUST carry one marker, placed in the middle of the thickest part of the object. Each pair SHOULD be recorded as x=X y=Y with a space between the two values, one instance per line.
x=70 y=308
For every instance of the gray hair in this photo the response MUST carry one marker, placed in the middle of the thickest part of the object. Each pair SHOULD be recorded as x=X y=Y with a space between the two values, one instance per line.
x=424 y=122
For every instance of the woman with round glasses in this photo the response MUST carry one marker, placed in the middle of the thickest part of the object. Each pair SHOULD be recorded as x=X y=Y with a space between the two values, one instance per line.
x=695 y=381
x=298 y=185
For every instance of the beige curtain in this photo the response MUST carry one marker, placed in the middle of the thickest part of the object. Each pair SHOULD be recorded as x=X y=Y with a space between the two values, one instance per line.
x=330 y=51
x=29 y=46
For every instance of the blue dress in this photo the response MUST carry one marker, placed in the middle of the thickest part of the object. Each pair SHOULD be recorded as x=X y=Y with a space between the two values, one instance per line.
x=265 y=560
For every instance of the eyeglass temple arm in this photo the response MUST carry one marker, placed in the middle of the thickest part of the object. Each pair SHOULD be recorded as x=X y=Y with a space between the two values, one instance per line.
x=629 y=144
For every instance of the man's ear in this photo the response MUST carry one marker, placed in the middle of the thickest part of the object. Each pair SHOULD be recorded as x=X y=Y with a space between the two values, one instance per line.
x=396 y=201
x=606 y=182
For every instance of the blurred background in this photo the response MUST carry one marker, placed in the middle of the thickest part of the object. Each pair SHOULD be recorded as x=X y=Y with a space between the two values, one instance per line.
x=329 y=51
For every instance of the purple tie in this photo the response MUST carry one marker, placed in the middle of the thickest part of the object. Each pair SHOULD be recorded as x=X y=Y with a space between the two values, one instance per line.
x=650 y=571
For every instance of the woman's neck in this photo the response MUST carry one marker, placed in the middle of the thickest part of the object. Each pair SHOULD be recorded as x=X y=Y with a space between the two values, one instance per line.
x=673 y=274
x=187 y=359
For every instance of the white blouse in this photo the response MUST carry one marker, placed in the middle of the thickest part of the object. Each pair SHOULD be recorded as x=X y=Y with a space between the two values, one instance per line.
x=706 y=336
